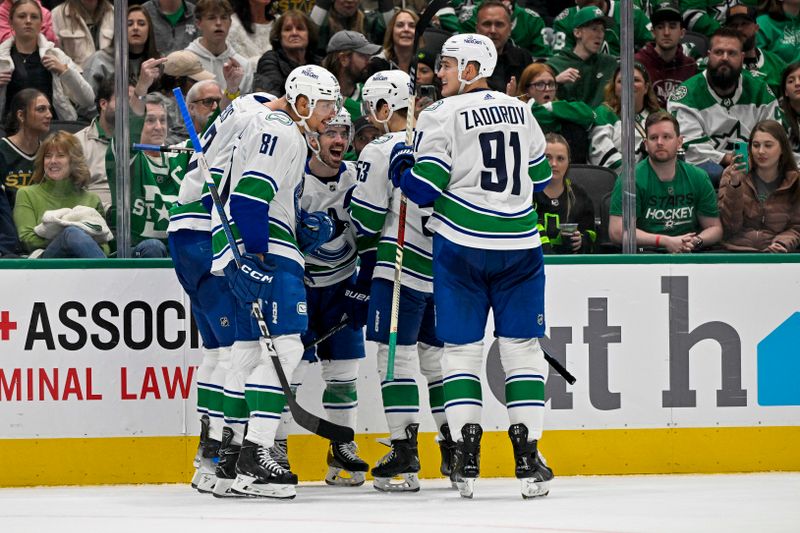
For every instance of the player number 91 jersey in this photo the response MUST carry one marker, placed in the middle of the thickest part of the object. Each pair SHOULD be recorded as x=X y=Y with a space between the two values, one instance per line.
x=484 y=152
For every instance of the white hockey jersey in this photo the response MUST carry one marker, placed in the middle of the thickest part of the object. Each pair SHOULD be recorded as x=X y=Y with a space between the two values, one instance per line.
x=375 y=210
x=265 y=185
x=484 y=153
x=218 y=142
x=335 y=260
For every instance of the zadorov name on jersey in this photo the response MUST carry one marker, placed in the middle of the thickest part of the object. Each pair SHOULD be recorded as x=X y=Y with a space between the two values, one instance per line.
x=496 y=114
x=138 y=325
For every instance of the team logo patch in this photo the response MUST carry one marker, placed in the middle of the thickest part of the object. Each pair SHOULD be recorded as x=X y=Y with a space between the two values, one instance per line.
x=433 y=106
x=540 y=319
x=679 y=93
x=283 y=118
x=382 y=139
x=224 y=322
x=302 y=308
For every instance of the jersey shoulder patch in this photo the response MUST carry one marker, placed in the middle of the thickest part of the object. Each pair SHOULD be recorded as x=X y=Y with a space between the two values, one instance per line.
x=382 y=139
x=434 y=106
x=281 y=118
x=679 y=93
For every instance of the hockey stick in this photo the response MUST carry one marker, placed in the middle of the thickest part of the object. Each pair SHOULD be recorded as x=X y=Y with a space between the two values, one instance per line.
x=161 y=148
x=411 y=122
x=330 y=333
x=319 y=426
x=558 y=367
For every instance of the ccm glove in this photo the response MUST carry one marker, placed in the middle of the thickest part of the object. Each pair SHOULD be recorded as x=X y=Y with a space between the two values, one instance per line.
x=402 y=159
x=314 y=230
x=252 y=281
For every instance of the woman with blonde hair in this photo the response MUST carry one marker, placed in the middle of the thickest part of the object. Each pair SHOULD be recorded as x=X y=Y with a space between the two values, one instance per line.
x=607 y=133
x=759 y=206
x=538 y=85
x=56 y=216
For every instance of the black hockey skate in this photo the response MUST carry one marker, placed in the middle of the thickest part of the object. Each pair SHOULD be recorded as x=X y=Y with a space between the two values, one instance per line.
x=260 y=476
x=397 y=470
x=343 y=459
x=226 y=465
x=447 y=448
x=205 y=425
x=467 y=460
x=280 y=452
x=530 y=469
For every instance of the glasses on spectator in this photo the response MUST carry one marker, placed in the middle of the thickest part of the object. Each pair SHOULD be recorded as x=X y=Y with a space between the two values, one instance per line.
x=208 y=102
x=543 y=85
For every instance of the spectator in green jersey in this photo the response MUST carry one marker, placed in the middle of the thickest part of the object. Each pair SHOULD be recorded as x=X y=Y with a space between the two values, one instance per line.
x=779 y=29
x=676 y=207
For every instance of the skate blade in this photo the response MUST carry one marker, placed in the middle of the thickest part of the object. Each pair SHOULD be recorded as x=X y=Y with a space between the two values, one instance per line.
x=247 y=487
x=222 y=489
x=401 y=483
x=204 y=482
x=466 y=487
x=342 y=478
x=534 y=489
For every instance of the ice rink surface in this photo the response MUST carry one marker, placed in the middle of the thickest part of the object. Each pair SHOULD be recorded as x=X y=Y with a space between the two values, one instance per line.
x=677 y=503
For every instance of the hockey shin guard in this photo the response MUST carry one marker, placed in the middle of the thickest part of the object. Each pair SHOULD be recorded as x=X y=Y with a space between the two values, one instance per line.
x=216 y=394
x=526 y=370
x=430 y=364
x=401 y=395
x=463 y=399
x=263 y=390
x=340 y=398
x=204 y=389
x=287 y=421
x=245 y=356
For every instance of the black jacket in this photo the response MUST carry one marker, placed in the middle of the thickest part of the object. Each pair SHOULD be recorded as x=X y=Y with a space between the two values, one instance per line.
x=511 y=62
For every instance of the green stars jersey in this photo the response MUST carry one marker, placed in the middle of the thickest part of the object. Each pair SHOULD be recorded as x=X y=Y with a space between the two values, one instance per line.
x=335 y=260
x=780 y=36
x=375 y=210
x=669 y=207
x=218 y=142
x=706 y=16
x=484 y=152
x=710 y=125
x=265 y=184
x=564 y=23
x=606 y=138
x=16 y=168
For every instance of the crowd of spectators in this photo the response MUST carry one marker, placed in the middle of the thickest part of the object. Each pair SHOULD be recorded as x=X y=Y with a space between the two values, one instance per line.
x=716 y=94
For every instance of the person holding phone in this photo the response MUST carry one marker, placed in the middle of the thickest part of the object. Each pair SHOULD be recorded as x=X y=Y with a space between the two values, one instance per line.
x=760 y=207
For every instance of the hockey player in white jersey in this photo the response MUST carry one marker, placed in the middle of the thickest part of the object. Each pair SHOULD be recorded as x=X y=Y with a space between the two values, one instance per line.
x=478 y=157
x=375 y=211
x=272 y=233
x=332 y=292
x=189 y=237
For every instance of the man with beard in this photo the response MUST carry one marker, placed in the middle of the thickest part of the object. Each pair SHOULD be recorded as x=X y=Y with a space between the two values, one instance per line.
x=666 y=63
x=718 y=108
x=348 y=58
x=676 y=206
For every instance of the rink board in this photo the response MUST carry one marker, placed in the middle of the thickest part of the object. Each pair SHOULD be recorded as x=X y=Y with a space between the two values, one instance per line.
x=683 y=365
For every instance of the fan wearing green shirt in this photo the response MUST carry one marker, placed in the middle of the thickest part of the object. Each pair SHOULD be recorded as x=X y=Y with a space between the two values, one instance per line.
x=676 y=206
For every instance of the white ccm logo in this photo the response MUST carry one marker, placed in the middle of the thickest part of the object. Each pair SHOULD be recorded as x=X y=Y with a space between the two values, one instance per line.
x=256 y=275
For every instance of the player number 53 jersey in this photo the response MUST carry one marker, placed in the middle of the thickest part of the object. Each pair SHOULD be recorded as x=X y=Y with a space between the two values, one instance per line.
x=484 y=152
x=335 y=260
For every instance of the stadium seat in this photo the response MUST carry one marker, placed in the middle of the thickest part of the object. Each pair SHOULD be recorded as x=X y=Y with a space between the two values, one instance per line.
x=696 y=44
x=596 y=181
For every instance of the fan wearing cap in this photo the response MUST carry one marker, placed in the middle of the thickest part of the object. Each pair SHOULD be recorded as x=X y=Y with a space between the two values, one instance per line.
x=664 y=58
x=348 y=54
x=759 y=62
x=331 y=16
x=583 y=72
x=182 y=69
x=707 y=16
x=565 y=24
x=232 y=71
x=265 y=181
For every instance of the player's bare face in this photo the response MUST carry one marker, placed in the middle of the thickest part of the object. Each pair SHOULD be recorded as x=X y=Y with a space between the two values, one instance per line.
x=792 y=88
x=558 y=156
x=448 y=75
x=667 y=34
x=662 y=142
x=333 y=143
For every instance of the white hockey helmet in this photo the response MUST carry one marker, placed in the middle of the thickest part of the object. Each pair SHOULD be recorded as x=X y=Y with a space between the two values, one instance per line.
x=391 y=86
x=315 y=83
x=468 y=47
